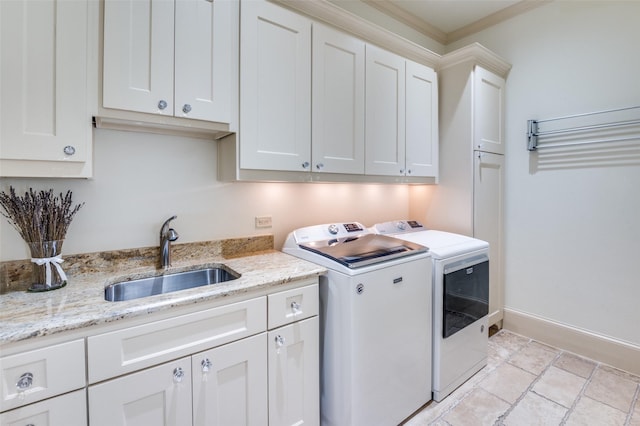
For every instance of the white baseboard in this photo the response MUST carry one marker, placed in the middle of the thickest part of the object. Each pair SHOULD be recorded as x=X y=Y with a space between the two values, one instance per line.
x=615 y=353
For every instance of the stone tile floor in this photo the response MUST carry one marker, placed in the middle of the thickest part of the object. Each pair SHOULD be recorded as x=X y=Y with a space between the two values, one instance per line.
x=528 y=383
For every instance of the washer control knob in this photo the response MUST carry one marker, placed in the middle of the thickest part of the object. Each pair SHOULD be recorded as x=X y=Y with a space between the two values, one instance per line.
x=333 y=229
x=401 y=226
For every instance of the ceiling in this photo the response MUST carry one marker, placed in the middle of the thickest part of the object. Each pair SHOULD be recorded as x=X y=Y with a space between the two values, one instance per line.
x=449 y=20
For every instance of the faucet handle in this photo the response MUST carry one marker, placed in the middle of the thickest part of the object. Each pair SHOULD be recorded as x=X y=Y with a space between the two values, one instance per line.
x=172 y=235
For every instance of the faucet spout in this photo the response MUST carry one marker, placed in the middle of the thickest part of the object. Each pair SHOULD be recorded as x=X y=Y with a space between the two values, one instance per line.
x=167 y=236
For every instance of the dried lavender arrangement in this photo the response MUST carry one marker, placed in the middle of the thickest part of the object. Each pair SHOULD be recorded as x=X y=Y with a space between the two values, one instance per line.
x=42 y=219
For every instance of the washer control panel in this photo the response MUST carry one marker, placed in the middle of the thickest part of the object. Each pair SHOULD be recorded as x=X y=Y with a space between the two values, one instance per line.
x=328 y=231
x=398 y=227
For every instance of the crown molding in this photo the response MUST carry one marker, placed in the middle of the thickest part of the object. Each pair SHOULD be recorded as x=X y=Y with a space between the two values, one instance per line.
x=478 y=54
x=426 y=29
x=495 y=18
x=346 y=21
x=335 y=16
x=408 y=19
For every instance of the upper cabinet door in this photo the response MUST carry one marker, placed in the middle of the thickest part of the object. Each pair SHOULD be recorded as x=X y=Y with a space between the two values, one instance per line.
x=46 y=82
x=488 y=111
x=138 y=55
x=275 y=88
x=421 y=120
x=203 y=52
x=338 y=102
x=385 y=113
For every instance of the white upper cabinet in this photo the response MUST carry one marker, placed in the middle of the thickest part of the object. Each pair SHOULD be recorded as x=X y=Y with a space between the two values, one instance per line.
x=385 y=113
x=275 y=88
x=319 y=104
x=421 y=121
x=337 y=102
x=170 y=58
x=138 y=55
x=488 y=111
x=401 y=116
x=48 y=54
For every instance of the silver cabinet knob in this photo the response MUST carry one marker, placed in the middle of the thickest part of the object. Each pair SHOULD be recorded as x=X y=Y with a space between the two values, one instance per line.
x=401 y=171
x=305 y=165
x=162 y=104
x=279 y=341
x=186 y=108
x=206 y=365
x=319 y=166
x=178 y=374
x=25 y=381
x=295 y=307
x=69 y=150
x=409 y=171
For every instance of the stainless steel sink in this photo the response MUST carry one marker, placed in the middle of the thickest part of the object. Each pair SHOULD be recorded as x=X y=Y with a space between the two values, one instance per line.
x=135 y=289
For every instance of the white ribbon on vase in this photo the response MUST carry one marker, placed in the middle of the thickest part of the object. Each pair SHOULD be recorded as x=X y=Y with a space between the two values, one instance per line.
x=47 y=261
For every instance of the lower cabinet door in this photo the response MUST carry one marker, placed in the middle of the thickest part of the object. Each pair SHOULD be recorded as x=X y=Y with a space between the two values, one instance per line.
x=230 y=384
x=69 y=410
x=157 y=396
x=294 y=367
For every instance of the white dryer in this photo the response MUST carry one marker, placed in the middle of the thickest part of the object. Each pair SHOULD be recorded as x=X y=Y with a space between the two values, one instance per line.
x=460 y=301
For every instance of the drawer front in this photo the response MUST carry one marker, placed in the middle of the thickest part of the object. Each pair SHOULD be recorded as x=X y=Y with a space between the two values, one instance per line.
x=67 y=410
x=42 y=373
x=122 y=351
x=292 y=305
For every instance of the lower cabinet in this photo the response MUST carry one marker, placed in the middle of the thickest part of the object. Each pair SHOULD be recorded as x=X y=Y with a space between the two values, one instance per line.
x=229 y=384
x=268 y=378
x=157 y=396
x=222 y=386
x=294 y=368
x=69 y=410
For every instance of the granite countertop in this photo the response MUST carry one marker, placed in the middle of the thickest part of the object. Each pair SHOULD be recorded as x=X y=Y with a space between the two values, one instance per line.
x=81 y=302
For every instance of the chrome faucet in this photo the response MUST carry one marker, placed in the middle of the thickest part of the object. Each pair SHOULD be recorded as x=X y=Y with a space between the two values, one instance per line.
x=167 y=235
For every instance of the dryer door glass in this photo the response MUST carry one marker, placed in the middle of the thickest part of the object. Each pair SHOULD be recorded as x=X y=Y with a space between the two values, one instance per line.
x=466 y=297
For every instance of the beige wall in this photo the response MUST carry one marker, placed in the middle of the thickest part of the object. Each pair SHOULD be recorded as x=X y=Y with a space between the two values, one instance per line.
x=142 y=179
x=572 y=230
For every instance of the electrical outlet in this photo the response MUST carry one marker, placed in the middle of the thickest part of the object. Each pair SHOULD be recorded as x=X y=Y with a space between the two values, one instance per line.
x=263 y=221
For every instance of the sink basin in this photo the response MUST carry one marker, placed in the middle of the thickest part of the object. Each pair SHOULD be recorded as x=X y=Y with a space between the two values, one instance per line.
x=135 y=289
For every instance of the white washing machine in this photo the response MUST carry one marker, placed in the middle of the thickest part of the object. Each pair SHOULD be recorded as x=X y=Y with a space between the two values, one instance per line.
x=460 y=301
x=375 y=316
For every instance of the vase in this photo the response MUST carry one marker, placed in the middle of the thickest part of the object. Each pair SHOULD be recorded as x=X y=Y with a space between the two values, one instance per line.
x=47 y=273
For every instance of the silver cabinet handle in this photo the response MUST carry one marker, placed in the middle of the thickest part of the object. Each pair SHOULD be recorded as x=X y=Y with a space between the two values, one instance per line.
x=69 y=150
x=295 y=307
x=25 y=381
x=206 y=365
x=279 y=341
x=186 y=108
x=178 y=374
x=162 y=104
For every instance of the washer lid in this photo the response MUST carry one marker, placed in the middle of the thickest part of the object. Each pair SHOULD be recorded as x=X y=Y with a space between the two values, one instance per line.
x=364 y=249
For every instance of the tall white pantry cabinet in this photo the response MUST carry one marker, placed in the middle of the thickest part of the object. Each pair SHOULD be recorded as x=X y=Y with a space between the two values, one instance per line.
x=469 y=197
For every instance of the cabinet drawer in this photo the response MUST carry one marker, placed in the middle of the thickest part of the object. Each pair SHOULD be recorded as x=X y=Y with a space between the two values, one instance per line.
x=292 y=305
x=122 y=351
x=43 y=373
x=68 y=410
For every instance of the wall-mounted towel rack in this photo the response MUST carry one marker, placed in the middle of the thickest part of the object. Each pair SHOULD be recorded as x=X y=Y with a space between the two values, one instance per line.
x=614 y=125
